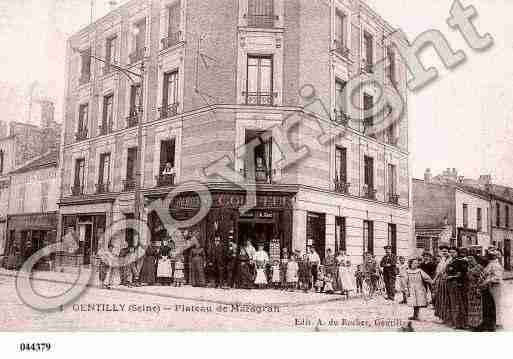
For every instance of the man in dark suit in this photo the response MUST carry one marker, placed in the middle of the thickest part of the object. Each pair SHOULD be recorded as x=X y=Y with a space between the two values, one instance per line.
x=218 y=259
x=389 y=265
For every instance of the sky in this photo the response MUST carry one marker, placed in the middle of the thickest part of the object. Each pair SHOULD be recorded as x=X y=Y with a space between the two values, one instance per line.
x=462 y=120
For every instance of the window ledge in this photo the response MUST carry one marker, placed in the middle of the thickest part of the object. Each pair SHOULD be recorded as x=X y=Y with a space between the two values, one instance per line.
x=277 y=30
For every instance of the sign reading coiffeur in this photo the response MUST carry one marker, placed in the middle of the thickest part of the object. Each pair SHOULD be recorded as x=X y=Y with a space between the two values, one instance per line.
x=231 y=200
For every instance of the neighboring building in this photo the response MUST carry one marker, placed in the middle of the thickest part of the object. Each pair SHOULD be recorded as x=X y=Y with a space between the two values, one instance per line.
x=452 y=213
x=201 y=106
x=32 y=210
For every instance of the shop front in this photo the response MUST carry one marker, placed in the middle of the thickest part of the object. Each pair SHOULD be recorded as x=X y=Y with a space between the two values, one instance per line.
x=28 y=233
x=269 y=223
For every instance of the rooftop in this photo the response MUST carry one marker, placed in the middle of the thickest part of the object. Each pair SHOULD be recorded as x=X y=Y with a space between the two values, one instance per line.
x=48 y=159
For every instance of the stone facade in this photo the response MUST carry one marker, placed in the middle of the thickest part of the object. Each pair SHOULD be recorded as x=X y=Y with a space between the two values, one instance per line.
x=210 y=52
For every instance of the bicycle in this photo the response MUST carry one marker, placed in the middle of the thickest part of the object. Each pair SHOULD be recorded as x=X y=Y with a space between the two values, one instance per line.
x=372 y=284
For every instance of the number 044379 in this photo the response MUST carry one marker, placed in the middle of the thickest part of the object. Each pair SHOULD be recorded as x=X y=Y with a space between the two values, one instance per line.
x=35 y=347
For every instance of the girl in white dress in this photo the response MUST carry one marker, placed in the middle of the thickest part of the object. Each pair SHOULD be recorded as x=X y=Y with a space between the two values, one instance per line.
x=291 y=275
x=346 y=277
x=276 y=274
x=261 y=260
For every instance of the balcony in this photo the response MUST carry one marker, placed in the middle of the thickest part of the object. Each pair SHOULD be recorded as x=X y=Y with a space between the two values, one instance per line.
x=132 y=120
x=84 y=79
x=136 y=55
x=102 y=188
x=369 y=193
x=129 y=185
x=81 y=134
x=171 y=40
x=341 y=186
x=77 y=190
x=393 y=199
x=263 y=21
x=105 y=128
x=165 y=180
x=261 y=176
x=260 y=98
x=342 y=49
x=169 y=110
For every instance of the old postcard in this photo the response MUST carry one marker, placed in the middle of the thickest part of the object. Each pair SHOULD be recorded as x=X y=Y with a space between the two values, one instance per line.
x=256 y=165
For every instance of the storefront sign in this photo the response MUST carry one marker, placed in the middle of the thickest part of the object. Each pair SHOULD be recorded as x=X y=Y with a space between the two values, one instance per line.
x=44 y=220
x=231 y=200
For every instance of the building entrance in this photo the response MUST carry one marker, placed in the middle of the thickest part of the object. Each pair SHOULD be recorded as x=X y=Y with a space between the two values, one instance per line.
x=258 y=232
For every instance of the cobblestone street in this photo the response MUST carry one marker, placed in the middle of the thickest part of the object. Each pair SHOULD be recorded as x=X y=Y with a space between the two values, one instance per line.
x=170 y=308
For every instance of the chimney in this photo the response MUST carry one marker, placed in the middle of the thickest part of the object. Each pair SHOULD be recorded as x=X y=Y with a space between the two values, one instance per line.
x=47 y=113
x=427 y=176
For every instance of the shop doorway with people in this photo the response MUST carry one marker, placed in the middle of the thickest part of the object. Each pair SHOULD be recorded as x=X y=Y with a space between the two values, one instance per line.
x=257 y=231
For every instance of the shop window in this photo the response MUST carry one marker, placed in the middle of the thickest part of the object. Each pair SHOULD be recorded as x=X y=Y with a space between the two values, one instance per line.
x=261 y=156
x=261 y=13
x=259 y=82
x=167 y=170
x=368 y=236
x=340 y=234
x=104 y=173
x=169 y=95
x=392 y=237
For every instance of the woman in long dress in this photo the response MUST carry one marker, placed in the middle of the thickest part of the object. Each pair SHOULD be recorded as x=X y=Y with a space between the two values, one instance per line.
x=456 y=272
x=261 y=261
x=149 y=266
x=473 y=283
x=416 y=288
x=197 y=261
x=440 y=291
x=491 y=291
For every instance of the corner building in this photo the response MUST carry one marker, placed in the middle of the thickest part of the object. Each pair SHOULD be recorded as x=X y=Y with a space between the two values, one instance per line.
x=218 y=74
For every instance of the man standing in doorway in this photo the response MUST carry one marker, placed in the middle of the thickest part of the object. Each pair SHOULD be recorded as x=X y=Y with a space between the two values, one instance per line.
x=389 y=265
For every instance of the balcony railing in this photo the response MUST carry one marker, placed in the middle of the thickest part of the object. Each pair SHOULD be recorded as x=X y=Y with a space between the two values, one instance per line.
x=136 y=55
x=171 y=40
x=77 y=190
x=260 y=98
x=102 y=188
x=128 y=185
x=81 y=134
x=393 y=198
x=84 y=79
x=165 y=180
x=169 y=110
x=342 y=49
x=369 y=192
x=341 y=186
x=261 y=176
x=105 y=128
x=264 y=20
x=133 y=119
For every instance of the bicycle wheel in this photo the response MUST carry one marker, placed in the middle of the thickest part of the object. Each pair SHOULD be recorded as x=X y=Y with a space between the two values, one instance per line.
x=366 y=289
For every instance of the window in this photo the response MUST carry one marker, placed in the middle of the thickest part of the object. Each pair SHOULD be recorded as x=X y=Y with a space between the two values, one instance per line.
x=167 y=156
x=465 y=215
x=2 y=162
x=479 y=217
x=108 y=113
x=110 y=50
x=262 y=156
x=173 y=24
x=140 y=36
x=135 y=99
x=498 y=214
x=340 y=85
x=392 y=180
x=170 y=94
x=340 y=234
x=104 y=175
x=368 y=237
x=391 y=64
x=44 y=197
x=369 y=52
x=131 y=161
x=369 y=172
x=83 y=117
x=261 y=13
x=21 y=198
x=79 y=174
x=392 y=237
x=506 y=215
x=259 y=89
x=391 y=136
x=85 y=71
x=340 y=32
x=341 y=164
x=368 y=122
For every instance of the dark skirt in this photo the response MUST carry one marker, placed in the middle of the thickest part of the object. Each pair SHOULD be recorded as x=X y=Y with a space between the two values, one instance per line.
x=245 y=275
x=457 y=304
x=474 y=304
x=489 y=312
x=441 y=298
x=197 y=272
x=149 y=270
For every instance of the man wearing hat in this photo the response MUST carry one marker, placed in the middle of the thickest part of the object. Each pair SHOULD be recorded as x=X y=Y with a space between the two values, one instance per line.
x=231 y=260
x=389 y=265
x=218 y=261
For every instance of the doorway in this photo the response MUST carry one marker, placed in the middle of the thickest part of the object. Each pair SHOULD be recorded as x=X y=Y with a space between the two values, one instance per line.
x=507 y=254
x=85 y=231
x=258 y=231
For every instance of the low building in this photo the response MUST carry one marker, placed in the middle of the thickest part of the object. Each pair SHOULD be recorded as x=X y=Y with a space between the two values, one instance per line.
x=450 y=212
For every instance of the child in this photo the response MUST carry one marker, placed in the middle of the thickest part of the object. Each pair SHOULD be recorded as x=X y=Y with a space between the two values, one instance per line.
x=164 y=270
x=275 y=277
x=305 y=274
x=416 y=289
x=328 y=283
x=178 y=274
x=319 y=285
x=283 y=268
x=292 y=271
x=359 y=279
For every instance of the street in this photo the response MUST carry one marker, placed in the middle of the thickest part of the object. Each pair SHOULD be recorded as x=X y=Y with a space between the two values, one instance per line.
x=186 y=308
